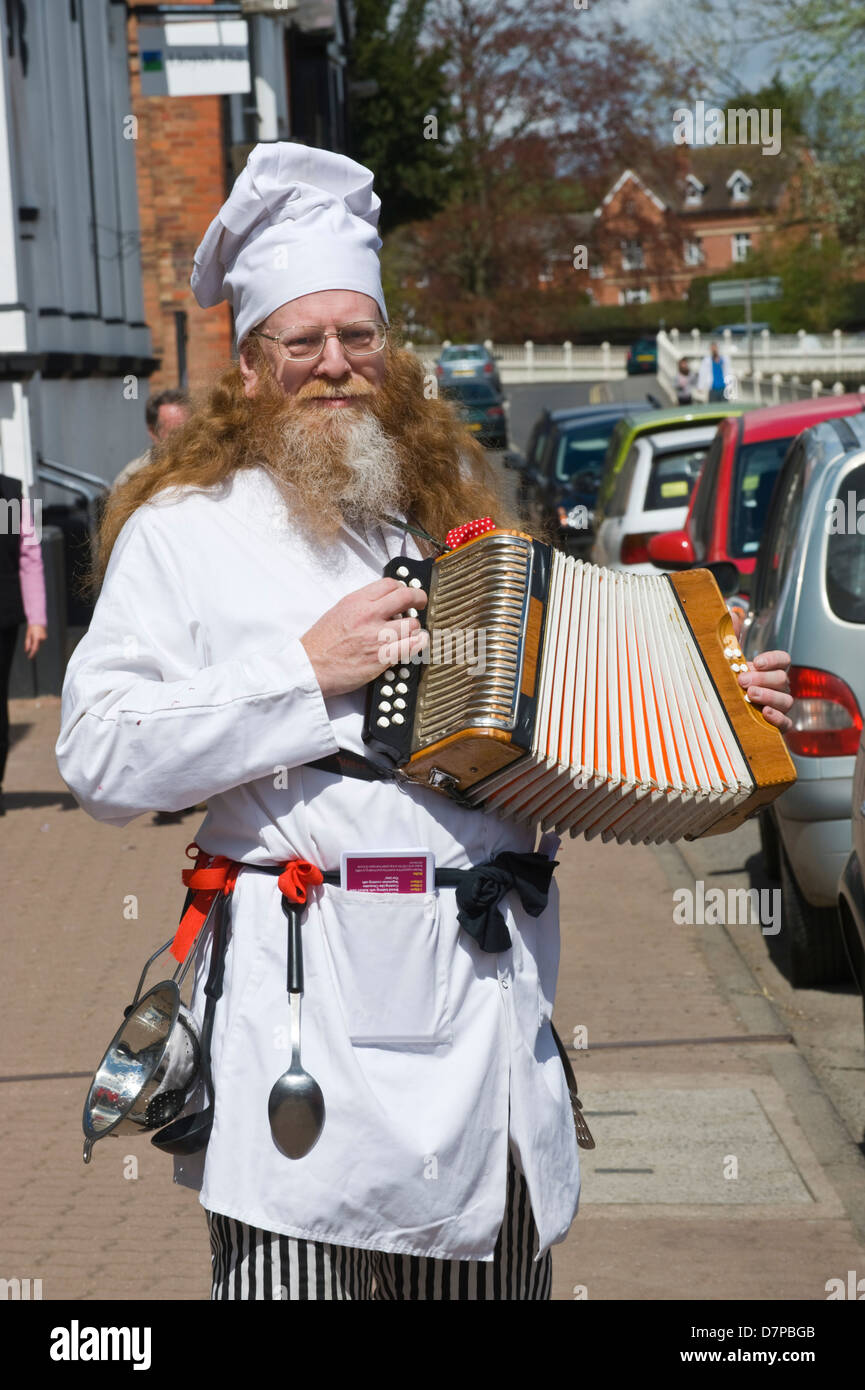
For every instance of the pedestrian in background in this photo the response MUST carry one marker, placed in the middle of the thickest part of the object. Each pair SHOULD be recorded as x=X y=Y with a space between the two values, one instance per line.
x=22 y=598
x=686 y=379
x=715 y=374
x=163 y=413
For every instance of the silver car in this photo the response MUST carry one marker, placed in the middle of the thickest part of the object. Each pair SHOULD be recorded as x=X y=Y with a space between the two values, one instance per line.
x=808 y=598
x=467 y=362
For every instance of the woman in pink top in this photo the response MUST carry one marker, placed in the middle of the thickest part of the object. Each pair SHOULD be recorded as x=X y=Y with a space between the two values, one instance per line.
x=22 y=595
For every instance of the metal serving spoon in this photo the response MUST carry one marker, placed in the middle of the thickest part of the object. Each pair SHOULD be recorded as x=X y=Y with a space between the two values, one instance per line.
x=295 y=1106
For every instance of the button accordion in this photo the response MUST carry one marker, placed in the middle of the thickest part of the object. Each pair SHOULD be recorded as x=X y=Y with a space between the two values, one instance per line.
x=585 y=699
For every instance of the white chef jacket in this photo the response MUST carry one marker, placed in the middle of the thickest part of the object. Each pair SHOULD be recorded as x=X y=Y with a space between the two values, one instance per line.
x=192 y=684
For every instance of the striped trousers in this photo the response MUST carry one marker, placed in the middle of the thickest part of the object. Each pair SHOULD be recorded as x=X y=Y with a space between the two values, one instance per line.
x=253 y=1264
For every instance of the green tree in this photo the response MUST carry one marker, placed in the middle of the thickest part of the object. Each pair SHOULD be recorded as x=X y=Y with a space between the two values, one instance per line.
x=400 y=109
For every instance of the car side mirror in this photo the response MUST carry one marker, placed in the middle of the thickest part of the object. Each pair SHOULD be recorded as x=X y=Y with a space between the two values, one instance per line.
x=515 y=461
x=727 y=576
x=672 y=550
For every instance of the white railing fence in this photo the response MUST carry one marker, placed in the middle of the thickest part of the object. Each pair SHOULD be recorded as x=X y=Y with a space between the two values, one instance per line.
x=528 y=361
x=786 y=367
x=774 y=367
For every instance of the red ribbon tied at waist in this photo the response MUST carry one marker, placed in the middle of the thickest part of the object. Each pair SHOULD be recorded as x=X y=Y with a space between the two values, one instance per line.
x=215 y=873
x=295 y=877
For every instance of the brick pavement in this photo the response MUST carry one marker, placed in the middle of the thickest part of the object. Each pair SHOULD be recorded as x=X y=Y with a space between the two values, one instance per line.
x=101 y=1231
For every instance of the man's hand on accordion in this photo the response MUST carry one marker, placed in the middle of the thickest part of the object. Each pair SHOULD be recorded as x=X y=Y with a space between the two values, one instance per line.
x=766 y=683
x=363 y=634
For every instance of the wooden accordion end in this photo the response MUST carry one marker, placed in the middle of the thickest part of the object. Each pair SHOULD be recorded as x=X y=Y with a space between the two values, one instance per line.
x=580 y=698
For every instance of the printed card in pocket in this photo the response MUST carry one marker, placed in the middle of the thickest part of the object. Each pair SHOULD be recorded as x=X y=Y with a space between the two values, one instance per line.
x=390 y=871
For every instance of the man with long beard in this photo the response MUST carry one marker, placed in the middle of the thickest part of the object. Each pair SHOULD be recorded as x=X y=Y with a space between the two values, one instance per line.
x=242 y=615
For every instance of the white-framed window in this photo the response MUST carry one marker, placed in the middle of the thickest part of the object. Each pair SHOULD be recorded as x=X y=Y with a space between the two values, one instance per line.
x=596 y=270
x=817 y=239
x=693 y=251
x=741 y=243
x=740 y=186
x=641 y=296
x=694 y=191
x=632 y=255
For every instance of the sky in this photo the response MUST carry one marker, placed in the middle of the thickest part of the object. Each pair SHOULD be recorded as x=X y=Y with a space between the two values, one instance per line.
x=755 y=65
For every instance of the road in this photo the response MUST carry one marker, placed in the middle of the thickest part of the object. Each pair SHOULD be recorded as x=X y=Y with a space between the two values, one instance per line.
x=727 y=1108
x=527 y=402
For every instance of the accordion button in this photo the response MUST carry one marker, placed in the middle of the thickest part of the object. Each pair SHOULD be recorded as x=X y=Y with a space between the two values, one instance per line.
x=383 y=723
x=414 y=583
x=387 y=690
x=402 y=689
x=399 y=719
x=384 y=707
x=390 y=675
x=404 y=673
x=402 y=572
x=399 y=704
x=412 y=612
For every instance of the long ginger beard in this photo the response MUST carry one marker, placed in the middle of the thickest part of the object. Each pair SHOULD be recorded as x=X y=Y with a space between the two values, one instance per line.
x=332 y=464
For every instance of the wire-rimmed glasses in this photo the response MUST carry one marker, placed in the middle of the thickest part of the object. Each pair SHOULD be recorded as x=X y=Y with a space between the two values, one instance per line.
x=303 y=342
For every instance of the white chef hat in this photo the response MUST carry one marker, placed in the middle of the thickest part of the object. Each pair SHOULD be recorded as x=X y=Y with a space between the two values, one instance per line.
x=297 y=220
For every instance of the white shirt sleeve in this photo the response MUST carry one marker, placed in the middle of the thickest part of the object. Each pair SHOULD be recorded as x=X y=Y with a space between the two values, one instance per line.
x=146 y=725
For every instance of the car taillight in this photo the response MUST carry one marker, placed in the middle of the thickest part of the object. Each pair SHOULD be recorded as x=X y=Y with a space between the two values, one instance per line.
x=826 y=718
x=488 y=366
x=495 y=410
x=635 y=549
x=440 y=371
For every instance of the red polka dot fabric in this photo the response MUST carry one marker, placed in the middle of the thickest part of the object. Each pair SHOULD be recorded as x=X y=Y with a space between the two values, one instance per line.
x=460 y=534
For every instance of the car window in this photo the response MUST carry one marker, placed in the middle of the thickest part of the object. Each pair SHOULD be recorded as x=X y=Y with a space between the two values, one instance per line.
x=614 y=447
x=704 y=502
x=754 y=475
x=845 y=551
x=782 y=531
x=672 y=477
x=619 y=499
x=535 y=448
x=449 y=354
x=579 y=450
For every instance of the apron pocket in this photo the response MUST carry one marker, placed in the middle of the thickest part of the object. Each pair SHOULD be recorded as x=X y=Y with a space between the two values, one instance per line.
x=389 y=966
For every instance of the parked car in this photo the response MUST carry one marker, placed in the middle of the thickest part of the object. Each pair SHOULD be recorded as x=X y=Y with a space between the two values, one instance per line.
x=673 y=417
x=561 y=470
x=642 y=356
x=651 y=495
x=809 y=599
x=483 y=410
x=467 y=361
x=729 y=505
x=851 y=890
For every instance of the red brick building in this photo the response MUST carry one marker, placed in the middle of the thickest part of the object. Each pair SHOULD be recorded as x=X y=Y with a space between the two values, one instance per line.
x=651 y=235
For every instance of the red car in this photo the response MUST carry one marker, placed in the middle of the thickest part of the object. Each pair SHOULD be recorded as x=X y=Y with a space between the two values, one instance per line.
x=730 y=500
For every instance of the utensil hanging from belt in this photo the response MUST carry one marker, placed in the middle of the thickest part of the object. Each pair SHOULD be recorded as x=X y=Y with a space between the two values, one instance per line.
x=295 y=1106
x=189 y=1134
x=151 y=1066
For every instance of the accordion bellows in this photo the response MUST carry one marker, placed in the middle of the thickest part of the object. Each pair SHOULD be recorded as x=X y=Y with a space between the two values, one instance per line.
x=578 y=698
